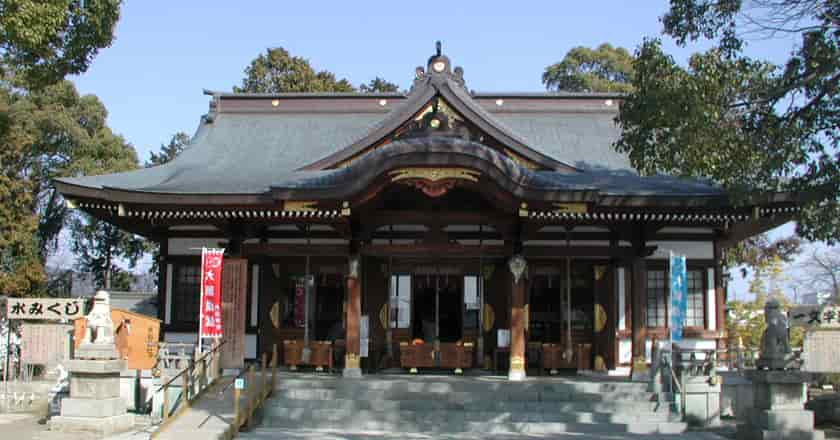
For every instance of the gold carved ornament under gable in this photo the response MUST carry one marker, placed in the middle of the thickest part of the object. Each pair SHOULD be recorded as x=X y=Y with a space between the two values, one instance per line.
x=573 y=208
x=434 y=174
x=300 y=205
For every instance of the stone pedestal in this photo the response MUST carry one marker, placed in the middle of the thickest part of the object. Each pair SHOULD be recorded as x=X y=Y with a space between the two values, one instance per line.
x=94 y=404
x=702 y=400
x=778 y=409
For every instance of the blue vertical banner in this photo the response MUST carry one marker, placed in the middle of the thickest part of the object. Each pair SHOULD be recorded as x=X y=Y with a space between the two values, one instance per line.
x=679 y=296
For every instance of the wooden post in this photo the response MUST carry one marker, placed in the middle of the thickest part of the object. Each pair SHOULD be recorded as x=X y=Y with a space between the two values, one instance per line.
x=186 y=392
x=519 y=269
x=237 y=394
x=354 y=317
x=165 y=399
x=250 y=394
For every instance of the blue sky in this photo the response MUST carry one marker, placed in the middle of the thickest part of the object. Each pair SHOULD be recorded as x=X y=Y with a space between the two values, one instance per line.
x=166 y=52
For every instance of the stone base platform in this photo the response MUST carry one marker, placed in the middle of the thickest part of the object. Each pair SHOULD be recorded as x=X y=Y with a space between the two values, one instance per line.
x=778 y=412
x=760 y=434
x=98 y=425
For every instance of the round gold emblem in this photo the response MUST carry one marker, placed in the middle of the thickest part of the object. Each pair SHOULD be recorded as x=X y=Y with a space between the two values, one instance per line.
x=600 y=318
x=489 y=318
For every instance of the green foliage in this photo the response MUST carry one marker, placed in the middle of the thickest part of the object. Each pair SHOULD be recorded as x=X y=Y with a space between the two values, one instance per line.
x=55 y=133
x=379 y=85
x=277 y=71
x=42 y=41
x=604 y=69
x=98 y=247
x=745 y=322
x=169 y=151
x=741 y=122
x=20 y=267
x=50 y=133
x=758 y=251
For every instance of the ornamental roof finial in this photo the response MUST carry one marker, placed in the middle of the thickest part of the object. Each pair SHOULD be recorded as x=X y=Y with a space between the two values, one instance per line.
x=438 y=47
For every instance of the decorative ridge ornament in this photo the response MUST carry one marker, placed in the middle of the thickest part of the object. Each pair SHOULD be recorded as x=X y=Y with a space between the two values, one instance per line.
x=518 y=267
x=439 y=65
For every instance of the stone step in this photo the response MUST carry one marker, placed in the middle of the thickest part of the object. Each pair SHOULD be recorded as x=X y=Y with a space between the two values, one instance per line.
x=437 y=426
x=512 y=395
x=295 y=415
x=443 y=385
x=487 y=404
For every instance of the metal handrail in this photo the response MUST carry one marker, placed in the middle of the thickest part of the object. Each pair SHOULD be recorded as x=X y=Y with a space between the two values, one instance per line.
x=201 y=358
x=186 y=375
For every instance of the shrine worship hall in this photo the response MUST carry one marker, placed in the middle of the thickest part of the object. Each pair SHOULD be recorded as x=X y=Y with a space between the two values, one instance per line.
x=440 y=230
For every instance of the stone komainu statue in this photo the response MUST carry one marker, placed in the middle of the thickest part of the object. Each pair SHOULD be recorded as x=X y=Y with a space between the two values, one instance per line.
x=775 y=343
x=775 y=340
x=100 y=328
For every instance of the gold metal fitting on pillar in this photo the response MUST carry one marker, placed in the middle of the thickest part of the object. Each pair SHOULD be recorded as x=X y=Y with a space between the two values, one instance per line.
x=640 y=365
x=351 y=360
x=517 y=363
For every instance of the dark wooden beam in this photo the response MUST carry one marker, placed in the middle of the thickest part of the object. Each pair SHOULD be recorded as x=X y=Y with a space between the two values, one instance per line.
x=300 y=250
x=436 y=250
x=622 y=253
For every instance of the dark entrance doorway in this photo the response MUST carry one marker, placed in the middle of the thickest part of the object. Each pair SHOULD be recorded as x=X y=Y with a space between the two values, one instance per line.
x=438 y=308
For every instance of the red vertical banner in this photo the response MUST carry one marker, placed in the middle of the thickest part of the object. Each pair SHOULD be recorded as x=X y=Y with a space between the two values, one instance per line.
x=211 y=293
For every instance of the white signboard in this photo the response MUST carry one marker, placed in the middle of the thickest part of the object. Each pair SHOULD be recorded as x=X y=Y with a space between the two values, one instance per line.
x=471 y=292
x=821 y=353
x=45 y=344
x=503 y=338
x=239 y=383
x=814 y=316
x=50 y=309
x=364 y=336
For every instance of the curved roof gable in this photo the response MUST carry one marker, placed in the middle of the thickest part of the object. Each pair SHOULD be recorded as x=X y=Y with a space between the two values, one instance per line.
x=438 y=81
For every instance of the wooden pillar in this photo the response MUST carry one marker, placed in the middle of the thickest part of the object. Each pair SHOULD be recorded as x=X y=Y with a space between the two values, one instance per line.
x=354 y=317
x=163 y=253
x=639 y=312
x=519 y=269
x=720 y=297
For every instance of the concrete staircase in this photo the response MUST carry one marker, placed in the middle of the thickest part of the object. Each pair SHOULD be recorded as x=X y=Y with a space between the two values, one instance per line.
x=474 y=405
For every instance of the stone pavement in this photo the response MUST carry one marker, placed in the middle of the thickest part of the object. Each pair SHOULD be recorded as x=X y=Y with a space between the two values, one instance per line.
x=209 y=418
x=20 y=426
x=333 y=435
